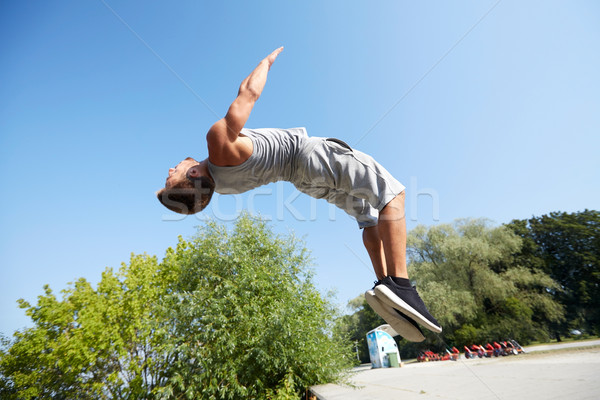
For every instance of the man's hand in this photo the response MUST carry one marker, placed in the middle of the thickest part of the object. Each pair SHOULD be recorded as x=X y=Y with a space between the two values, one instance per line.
x=271 y=57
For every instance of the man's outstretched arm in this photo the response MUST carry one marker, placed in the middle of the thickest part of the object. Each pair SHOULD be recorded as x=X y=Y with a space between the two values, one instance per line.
x=223 y=134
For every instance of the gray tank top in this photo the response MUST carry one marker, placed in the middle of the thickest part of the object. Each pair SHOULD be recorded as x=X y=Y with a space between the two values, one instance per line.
x=275 y=157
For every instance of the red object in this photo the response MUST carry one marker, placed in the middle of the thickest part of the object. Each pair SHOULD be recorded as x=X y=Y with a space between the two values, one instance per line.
x=489 y=350
x=429 y=355
x=469 y=353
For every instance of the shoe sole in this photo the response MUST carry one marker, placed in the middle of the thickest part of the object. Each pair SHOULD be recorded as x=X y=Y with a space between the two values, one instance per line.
x=400 y=324
x=389 y=298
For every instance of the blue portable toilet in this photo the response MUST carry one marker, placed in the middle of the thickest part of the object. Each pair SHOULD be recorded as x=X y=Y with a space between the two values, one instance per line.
x=382 y=347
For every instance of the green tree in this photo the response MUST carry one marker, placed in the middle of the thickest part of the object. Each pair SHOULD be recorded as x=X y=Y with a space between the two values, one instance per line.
x=94 y=343
x=567 y=247
x=248 y=316
x=459 y=278
x=226 y=315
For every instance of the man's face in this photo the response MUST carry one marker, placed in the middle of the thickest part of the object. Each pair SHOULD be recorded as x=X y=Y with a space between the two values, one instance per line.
x=178 y=173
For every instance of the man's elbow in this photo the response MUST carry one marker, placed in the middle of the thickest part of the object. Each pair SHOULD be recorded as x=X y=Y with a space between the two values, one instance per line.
x=249 y=93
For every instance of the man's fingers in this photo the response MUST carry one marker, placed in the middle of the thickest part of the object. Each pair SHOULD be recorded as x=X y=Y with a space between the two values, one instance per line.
x=271 y=57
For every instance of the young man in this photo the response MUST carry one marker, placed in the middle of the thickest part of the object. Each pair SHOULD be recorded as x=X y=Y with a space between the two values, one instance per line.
x=242 y=159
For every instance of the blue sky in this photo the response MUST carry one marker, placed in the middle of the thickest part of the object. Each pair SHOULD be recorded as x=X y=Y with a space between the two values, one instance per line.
x=481 y=108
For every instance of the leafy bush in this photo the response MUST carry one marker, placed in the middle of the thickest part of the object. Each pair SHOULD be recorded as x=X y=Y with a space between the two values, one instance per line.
x=226 y=315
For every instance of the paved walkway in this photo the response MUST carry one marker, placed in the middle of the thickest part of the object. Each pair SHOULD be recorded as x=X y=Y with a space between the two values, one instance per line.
x=555 y=375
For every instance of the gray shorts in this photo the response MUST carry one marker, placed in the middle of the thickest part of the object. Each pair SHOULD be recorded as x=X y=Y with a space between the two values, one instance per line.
x=347 y=178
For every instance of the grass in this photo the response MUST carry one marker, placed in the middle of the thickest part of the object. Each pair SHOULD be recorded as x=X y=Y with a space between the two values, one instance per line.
x=565 y=340
x=569 y=349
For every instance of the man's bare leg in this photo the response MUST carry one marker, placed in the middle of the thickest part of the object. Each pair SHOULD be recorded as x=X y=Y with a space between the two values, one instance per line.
x=392 y=231
x=404 y=326
x=396 y=290
x=374 y=247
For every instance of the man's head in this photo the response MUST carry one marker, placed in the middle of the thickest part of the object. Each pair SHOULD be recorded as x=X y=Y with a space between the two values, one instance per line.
x=188 y=189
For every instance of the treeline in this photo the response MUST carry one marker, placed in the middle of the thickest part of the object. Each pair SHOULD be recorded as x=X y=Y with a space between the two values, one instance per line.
x=534 y=279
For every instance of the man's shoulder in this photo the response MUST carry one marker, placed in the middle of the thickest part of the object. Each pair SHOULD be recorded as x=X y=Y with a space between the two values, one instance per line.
x=297 y=131
x=225 y=152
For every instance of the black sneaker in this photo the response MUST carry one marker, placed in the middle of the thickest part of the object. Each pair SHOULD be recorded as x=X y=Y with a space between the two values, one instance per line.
x=403 y=325
x=407 y=301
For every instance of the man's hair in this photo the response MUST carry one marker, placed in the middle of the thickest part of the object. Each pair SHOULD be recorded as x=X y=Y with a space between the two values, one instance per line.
x=189 y=196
